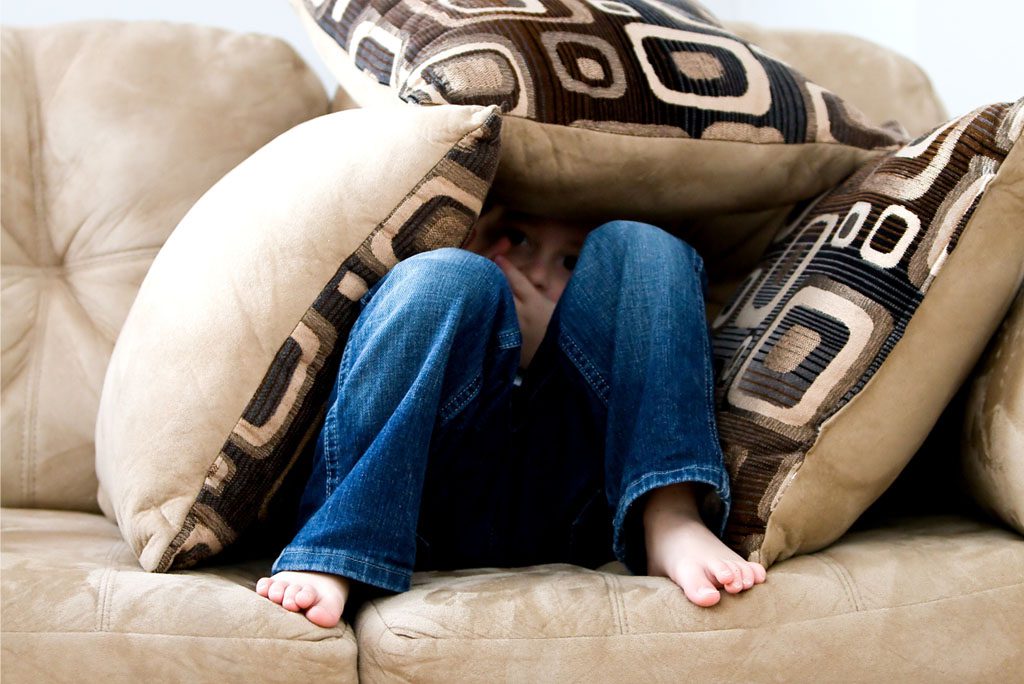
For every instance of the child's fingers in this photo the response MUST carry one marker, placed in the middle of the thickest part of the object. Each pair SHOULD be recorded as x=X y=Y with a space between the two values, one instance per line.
x=522 y=288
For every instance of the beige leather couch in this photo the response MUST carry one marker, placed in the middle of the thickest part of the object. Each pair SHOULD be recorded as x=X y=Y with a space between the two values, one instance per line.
x=110 y=133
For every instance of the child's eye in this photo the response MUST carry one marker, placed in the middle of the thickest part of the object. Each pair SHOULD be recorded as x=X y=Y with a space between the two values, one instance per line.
x=569 y=262
x=516 y=237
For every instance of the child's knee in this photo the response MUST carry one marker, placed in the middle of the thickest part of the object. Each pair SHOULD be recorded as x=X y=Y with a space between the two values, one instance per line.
x=449 y=267
x=449 y=275
x=643 y=241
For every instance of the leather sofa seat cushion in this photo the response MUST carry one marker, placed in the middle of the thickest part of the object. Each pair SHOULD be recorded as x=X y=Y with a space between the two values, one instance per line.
x=76 y=601
x=901 y=593
x=111 y=131
x=992 y=445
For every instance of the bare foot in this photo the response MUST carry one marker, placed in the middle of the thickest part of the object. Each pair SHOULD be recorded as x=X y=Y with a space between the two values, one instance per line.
x=682 y=548
x=321 y=596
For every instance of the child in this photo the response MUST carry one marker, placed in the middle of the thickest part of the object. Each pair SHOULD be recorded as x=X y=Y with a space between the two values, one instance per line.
x=481 y=418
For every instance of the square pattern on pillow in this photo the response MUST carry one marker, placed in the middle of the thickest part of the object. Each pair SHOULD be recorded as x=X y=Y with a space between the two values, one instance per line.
x=286 y=409
x=660 y=68
x=639 y=109
x=818 y=320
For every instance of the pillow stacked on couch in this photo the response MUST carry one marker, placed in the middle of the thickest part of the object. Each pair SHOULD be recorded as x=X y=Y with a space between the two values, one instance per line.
x=705 y=125
x=842 y=348
x=645 y=109
x=226 y=359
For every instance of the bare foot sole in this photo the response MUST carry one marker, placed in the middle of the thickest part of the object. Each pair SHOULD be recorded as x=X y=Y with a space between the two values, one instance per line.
x=319 y=595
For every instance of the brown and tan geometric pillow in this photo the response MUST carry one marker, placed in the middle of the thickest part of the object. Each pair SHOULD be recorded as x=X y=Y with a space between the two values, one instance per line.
x=992 y=444
x=613 y=108
x=865 y=315
x=228 y=354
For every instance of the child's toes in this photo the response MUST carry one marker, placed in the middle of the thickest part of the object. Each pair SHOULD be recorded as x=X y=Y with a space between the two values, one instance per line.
x=288 y=602
x=326 y=613
x=747 y=574
x=276 y=591
x=721 y=571
x=760 y=574
x=735 y=585
x=306 y=597
x=262 y=586
x=696 y=585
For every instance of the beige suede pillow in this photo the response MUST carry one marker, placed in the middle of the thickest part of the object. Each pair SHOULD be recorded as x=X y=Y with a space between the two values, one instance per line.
x=865 y=315
x=992 y=448
x=642 y=109
x=231 y=347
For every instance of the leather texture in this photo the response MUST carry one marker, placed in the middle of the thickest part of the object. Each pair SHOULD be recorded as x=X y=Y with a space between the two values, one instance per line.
x=75 y=601
x=931 y=599
x=877 y=80
x=111 y=131
x=992 y=441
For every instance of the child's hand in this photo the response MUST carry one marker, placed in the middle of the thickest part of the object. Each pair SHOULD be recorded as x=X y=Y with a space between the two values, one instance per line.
x=532 y=307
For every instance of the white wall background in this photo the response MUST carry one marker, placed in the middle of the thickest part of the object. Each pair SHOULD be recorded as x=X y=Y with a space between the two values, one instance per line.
x=971 y=50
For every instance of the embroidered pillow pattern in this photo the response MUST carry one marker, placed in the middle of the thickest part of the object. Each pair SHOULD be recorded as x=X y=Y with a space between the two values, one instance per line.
x=287 y=408
x=655 y=68
x=833 y=295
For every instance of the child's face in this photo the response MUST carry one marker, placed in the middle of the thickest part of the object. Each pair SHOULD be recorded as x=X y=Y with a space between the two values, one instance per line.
x=543 y=249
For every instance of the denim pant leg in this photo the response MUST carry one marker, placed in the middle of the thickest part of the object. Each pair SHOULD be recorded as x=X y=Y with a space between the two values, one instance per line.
x=438 y=338
x=632 y=322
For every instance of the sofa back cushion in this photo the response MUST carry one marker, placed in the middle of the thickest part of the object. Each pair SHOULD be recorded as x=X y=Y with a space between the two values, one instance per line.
x=880 y=82
x=111 y=131
x=992 y=443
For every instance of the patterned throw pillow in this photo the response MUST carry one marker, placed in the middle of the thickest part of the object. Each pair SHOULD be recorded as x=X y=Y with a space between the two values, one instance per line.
x=614 y=108
x=992 y=449
x=865 y=315
x=232 y=345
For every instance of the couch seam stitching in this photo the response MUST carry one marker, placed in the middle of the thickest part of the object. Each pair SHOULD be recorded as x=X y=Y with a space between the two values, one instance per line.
x=388 y=627
x=108 y=609
x=162 y=635
x=102 y=592
x=623 y=614
x=613 y=602
x=35 y=369
x=707 y=631
x=98 y=261
x=843 y=576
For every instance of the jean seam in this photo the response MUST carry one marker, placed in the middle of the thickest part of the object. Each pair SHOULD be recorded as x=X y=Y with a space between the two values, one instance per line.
x=715 y=479
x=509 y=339
x=587 y=369
x=709 y=376
x=460 y=399
x=303 y=552
x=329 y=465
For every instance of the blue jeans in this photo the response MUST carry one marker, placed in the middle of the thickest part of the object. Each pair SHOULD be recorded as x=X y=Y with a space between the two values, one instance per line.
x=430 y=458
